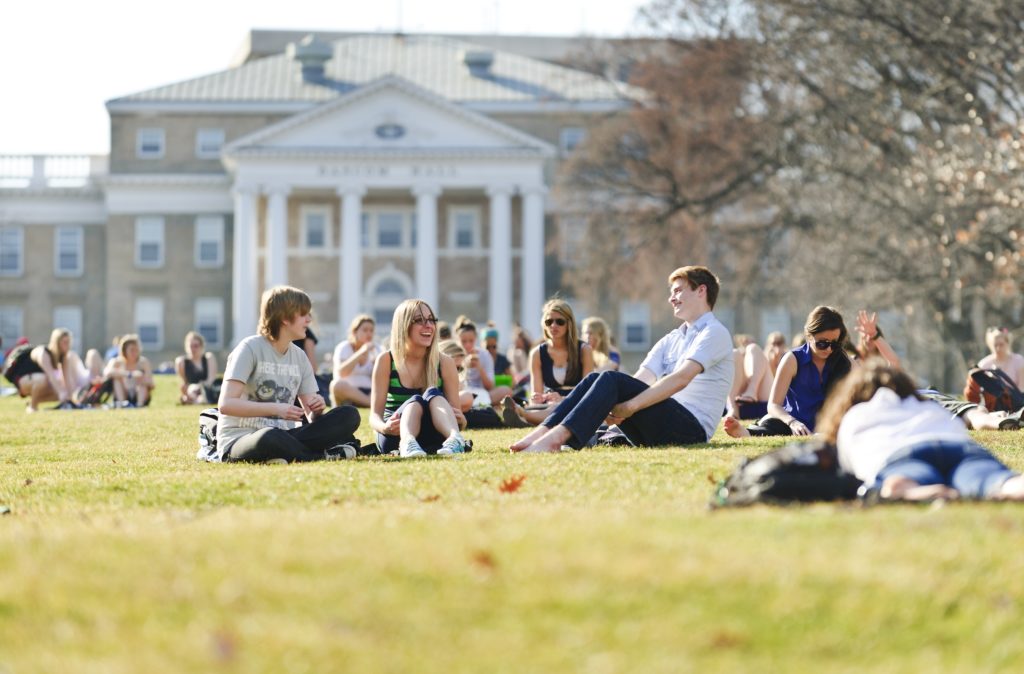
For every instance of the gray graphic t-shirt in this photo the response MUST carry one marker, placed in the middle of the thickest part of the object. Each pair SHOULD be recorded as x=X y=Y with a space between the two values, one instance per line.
x=269 y=378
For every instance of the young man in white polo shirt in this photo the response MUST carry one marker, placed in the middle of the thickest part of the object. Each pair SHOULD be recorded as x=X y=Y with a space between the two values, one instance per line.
x=675 y=398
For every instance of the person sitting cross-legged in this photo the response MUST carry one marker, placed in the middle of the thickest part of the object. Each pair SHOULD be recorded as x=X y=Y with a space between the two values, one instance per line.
x=677 y=395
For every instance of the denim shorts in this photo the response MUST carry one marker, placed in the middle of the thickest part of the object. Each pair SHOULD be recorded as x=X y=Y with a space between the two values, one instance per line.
x=966 y=466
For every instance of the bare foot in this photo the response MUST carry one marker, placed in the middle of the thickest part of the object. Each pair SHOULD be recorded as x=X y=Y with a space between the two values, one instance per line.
x=551 y=441
x=511 y=415
x=905 y=489
x=734 y=428
x=528 y=439
x=1012 y=489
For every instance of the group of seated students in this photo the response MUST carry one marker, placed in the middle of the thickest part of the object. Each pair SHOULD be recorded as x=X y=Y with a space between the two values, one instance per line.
x=54 y=372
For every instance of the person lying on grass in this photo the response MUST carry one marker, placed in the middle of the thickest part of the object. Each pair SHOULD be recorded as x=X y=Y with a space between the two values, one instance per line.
x=264 y=373
x=907 y=447
x=675 y=397
x=414 y=397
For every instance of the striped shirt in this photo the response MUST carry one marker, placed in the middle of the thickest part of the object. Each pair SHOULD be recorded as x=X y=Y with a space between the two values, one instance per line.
x=398 y=392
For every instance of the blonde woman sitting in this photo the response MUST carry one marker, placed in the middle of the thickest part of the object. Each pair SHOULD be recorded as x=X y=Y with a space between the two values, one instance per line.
x=55 y=372
x=196 y=371
x=596 y=334
x=557 y=364
x=132 y=374
x=353 y=363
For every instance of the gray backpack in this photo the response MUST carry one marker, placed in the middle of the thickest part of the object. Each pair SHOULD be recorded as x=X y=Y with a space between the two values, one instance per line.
x=208 y=436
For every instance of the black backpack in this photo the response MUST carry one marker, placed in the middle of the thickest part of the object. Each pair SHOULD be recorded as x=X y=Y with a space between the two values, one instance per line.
x=798 y=472
x=994 y=389
x=208 y=436
x=91 y=395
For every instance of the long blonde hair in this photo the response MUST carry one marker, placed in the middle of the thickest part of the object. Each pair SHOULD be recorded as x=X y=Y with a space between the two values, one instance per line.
x=596 y=326
x=53 y=346
x=401 y=324
x=572 y=335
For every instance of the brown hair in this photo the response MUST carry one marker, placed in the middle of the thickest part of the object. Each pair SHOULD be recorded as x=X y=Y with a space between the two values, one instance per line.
x=189 y=336
x=822 y=319
x=860 y=386
x=357 y=323
x=695 y=277
x=280 y=304
x=126 y=341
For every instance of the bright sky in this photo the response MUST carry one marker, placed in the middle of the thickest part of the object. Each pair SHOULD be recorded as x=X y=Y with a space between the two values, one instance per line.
x=61 y=60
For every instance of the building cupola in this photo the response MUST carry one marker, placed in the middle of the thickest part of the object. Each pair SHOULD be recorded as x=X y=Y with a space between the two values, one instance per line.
x=312 y=54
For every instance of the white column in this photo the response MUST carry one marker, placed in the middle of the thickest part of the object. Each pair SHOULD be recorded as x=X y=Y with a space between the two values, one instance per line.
x=350 y=271
x=500 y=280
x=275 y=270
x=243 y=266
x=426 y=243
x=532 y=259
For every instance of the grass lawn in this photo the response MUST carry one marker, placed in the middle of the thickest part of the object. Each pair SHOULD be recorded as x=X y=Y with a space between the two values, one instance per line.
x=121 y=553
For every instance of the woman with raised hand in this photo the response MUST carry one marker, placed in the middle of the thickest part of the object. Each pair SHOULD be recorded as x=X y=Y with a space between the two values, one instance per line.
x=804 y=378
x=1003 y=358
x=908 y=448
x=596 y=334
x=871 y=342
x=414 y=399
x=557 y=364
x=353 y=363
x=196 y=371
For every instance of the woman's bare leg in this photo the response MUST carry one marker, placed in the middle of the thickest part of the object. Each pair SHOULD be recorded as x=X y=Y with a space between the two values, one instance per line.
x=344 y=392
x=443 y=417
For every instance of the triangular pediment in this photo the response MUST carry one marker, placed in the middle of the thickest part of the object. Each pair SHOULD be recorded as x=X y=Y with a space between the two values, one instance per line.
x=388 y=115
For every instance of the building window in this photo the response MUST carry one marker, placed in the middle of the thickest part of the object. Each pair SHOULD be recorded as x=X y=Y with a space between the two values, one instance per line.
x=364 y=231
x=316 y=227
x=68 y=251
x=385 y=290
x=572 y=238
x=209 y=250
x=209 y=320
x=635 y=322
x=208 y=143
x=149 y=322
x=389 y=230
x=12 y=251
x=69 y=318
x=149 y=144
x=570 y=138
x=464 y=228
x=149 y=241
x=11 y=326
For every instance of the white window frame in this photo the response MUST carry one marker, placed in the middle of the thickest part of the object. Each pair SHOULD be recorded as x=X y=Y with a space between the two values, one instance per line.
x=203 y=140
x=570 y=138
x=408 y=215
x=149 y=311
x=212 y=225
x=632 y=314
x=146 y=135
x=13 y=236
x=324 y=210
x=210 y=309
x=477 y=227
x=79 y=232
x=69 y=317
x=149 y=229
x=12 y=324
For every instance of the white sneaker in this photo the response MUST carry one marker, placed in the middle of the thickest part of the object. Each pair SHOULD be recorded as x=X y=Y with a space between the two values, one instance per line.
x=411 y=450
x=455 y=444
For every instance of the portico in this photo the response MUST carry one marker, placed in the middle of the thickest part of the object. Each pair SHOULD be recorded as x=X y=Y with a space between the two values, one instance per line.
x=392 y=143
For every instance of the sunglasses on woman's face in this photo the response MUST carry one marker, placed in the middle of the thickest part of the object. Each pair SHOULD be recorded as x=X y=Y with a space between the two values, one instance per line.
x=561 y=322
x=822 y=344
x=424 y=320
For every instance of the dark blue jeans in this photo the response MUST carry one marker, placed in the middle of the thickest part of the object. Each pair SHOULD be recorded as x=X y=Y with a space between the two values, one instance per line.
x=664 y=423
x=429 y=438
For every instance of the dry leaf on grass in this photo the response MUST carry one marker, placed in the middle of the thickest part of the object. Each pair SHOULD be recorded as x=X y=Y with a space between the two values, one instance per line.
x=511 y=484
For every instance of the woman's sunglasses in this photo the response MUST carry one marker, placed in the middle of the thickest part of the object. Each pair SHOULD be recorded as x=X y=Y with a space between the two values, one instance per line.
x=822 y=344
x=561 y=322
x=422 y=320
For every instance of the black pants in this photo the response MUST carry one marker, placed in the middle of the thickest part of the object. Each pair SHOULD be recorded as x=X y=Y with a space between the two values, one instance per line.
x=305 y=443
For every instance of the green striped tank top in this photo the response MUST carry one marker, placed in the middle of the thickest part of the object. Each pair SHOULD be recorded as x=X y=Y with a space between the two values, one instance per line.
x=398 y=392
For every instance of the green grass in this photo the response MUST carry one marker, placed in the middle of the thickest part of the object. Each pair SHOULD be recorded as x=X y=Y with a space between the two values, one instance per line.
x=121 y=553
